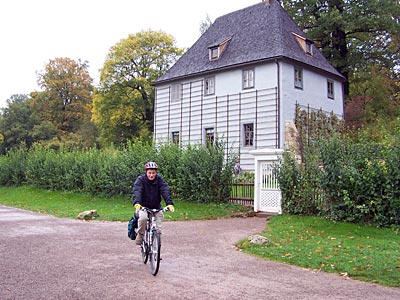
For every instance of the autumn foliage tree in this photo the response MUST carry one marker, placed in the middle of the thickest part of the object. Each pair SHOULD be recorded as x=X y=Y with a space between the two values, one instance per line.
x=123 y=104
x=66 y=99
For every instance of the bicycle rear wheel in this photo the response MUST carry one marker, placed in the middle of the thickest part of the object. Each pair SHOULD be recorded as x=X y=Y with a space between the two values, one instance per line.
x=154 y=253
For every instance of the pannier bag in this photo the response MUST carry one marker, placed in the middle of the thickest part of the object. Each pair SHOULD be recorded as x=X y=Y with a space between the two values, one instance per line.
x=132 y=225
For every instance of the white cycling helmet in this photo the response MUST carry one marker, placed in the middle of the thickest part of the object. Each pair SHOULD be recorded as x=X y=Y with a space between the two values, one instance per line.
x=150 y=165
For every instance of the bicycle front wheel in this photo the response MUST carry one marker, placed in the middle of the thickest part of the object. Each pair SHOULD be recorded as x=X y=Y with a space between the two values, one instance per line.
x=154 y=253
x=144 y=249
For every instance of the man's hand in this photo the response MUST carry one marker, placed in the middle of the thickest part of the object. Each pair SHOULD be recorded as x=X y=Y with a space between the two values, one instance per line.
x=171 y=208
x=137 y=208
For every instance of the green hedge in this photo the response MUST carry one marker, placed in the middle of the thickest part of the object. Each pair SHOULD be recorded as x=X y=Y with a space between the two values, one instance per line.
x=344 y=181
x=205 y=175
x=197 y=173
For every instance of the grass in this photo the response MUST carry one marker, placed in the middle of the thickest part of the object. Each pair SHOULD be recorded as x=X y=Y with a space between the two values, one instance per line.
x=360 y=252
x=69 y=205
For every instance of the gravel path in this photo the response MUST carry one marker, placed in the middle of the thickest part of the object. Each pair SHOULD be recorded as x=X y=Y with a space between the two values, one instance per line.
x=43 y=257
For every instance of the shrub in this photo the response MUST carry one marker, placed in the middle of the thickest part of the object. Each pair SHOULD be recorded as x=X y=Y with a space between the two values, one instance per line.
x=12 y=167
x=343 y=181
x=112 y=171
x=205 y=174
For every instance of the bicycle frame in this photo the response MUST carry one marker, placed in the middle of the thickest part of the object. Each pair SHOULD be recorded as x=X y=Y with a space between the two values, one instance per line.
x=151 y=244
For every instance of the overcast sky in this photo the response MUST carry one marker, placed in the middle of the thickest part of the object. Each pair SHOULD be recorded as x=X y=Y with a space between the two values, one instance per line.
x=34 y=31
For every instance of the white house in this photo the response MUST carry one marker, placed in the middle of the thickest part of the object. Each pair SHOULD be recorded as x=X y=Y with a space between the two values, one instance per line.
x=241 y=81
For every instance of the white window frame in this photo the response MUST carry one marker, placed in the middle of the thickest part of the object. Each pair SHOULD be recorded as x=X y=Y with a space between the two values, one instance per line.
x=309 y=47
x=175 y=137
x=331 y=89
x=209 y=135
x=246 y=135
x=214 y=53
x=176 y=92
x=248 y=78
x=209 y=86
x=298 y=78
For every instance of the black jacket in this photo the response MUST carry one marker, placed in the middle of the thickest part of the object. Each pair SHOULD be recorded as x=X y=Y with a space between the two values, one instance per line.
x=148 y=193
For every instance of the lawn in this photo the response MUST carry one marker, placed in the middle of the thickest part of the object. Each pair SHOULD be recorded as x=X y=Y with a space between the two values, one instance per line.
x=69 y=205
x=361 y=252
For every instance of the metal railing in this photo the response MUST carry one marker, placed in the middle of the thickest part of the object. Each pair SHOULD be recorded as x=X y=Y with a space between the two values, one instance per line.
x=242 y=193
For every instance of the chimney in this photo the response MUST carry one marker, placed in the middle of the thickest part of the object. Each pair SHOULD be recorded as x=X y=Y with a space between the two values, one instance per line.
x=267 y=2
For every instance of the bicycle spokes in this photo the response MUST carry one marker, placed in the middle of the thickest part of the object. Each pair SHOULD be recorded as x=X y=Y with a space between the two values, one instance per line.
x=144 y=251
x=151 y=245
x=154 y=253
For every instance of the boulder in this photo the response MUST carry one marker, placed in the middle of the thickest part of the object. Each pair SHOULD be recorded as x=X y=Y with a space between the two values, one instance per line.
x=88 y=215
x=258 y=239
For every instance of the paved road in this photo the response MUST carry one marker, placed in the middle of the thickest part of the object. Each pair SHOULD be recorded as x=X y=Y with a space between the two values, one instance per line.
x=43 y=257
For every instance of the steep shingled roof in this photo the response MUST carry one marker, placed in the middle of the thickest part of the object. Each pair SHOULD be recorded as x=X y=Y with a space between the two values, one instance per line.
x=259 y=32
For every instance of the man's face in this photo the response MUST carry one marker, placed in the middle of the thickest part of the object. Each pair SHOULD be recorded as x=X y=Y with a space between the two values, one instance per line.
x=151 y=174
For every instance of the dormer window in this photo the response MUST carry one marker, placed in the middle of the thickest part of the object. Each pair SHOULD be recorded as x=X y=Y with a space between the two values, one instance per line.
x=216 y=50
x=309 y=47
x=214 y=53
x=305 y=44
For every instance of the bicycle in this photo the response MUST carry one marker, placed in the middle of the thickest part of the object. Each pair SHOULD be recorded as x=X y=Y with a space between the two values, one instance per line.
x=151 y=243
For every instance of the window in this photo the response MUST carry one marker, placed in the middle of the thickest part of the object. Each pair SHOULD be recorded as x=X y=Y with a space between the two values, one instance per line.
x=330 y=89
x=209 y=136
x=209 y=86
x=304 y=43
x=309 y=47
x=175 y=137
x=298 y=78
x=214 y=53
x=248 y=134
x=176 y=90
x=248 y=78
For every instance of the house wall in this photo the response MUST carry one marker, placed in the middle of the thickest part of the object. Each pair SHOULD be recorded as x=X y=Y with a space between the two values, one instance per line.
x=230 y=82
x=313 y=94
x=231 y=107
x=227 y=111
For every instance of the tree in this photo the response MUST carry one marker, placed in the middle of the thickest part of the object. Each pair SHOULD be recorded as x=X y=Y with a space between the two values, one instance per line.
x=123 y=105
x=374 y=103
x=16 y=123
x=352 y=35
x=67 y=94
x=204 y=25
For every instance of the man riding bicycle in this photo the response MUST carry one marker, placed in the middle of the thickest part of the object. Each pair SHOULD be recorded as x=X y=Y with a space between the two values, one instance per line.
x=147 y=191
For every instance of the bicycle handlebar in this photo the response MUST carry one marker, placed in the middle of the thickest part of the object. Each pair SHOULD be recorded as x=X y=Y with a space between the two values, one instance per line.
x=154 y=210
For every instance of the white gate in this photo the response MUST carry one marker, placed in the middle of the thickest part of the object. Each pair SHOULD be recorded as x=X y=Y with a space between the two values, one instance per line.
x=267 y=195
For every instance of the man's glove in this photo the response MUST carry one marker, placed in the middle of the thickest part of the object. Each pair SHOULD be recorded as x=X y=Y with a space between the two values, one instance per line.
x=171 y=208
x=137 y=208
